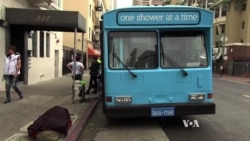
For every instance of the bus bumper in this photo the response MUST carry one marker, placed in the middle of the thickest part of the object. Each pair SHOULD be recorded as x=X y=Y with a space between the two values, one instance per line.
x=146 y=110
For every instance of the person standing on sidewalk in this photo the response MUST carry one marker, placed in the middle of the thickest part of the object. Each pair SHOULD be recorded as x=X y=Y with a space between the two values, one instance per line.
x=78 y=67
x=94 y=73
x=12 y=72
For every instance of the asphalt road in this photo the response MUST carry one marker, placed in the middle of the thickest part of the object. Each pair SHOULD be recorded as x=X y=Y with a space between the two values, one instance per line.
x=231 y=121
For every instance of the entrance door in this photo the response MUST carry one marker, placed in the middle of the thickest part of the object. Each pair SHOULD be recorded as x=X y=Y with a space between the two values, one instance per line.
x=17 y=37
x=56 y=63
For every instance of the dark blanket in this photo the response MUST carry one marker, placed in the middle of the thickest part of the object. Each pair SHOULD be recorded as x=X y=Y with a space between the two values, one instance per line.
x=55 y=119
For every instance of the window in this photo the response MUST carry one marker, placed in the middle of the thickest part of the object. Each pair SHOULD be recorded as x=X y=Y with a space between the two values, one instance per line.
x=183 y=49
x=47 y=45
x=217 y=30
x=41 y=44
x=216 y=12
x=218 y=44
x=242 y=25
x=57 y=2
x=223 y=10
x=34 y=44
x=93 y=16
x=243 y=6
x=90 y=9
x=223 y=28
x=135 y=50
x=90 y=33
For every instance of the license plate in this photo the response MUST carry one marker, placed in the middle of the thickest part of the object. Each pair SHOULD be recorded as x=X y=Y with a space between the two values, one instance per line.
x=162 y=112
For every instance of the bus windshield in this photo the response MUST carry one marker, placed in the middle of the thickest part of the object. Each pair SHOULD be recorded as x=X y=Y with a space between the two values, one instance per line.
x=137 y=50
x=183 y=49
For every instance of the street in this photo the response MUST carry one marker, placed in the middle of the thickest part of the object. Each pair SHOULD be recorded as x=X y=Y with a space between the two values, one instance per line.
x=231 y=121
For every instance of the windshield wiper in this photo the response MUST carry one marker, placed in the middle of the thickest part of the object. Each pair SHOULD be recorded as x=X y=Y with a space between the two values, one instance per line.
x=125 y=66
x=172 y=61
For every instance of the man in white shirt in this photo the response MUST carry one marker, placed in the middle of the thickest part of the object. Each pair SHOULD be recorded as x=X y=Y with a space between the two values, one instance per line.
x=11 y=72
x=78 y=67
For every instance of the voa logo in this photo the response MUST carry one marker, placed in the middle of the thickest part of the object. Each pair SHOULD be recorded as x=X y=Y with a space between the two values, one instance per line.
x=191 y=123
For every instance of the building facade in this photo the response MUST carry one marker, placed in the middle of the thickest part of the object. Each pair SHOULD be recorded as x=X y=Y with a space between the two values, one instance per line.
x=88 y=44
x=41 y=51
x=148 y=2
x=231 y=36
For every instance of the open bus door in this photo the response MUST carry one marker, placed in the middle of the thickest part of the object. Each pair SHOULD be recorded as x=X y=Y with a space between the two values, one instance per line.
x=102 y=66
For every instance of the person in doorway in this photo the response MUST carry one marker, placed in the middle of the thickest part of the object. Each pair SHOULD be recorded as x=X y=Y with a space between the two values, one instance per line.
x=78 y=68
x=12 y=72
x=94 y=73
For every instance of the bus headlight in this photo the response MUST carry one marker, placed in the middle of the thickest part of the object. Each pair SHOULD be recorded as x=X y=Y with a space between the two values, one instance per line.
x=196 y=97
x=123 y=99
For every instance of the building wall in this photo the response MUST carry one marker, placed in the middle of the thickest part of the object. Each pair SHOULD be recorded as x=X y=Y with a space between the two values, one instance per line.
x=68 y=37
x=45 y=68
x=108 y=4
x=2 y=53
x=87 y=9
x=238 y=44
x=39 y=69
x=233 y=25
x=246 y=19
x=173 y=2
x=113 y=5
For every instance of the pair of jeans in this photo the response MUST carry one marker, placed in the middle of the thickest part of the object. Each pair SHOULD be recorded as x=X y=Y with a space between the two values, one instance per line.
x=11 y=81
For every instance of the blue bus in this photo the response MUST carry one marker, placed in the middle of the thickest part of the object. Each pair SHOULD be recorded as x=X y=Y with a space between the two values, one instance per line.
x=157 y=61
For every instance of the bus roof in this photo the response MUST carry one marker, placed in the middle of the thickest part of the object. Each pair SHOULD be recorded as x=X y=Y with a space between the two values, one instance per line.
x=158 y=8
x=177 y=15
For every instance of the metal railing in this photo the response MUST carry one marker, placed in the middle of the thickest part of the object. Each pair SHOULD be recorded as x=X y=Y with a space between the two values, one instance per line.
x=241 y=69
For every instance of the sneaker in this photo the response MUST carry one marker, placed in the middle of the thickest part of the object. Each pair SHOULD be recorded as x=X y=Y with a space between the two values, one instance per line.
x=87 y=92
x=7 y=101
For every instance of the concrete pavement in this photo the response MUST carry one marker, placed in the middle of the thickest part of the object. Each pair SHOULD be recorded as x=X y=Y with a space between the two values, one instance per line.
x=17 y=115
x=232 y=78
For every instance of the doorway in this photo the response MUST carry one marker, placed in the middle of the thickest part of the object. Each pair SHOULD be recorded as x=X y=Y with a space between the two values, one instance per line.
x=17 y=38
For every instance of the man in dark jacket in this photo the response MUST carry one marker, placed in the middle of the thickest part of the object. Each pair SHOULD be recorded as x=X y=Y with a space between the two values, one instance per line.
x=94 y=73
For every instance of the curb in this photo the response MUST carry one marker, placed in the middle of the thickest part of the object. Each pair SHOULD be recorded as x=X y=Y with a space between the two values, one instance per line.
x=79 y=127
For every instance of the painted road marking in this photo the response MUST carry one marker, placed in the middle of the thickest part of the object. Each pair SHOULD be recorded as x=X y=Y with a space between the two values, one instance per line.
x=23 y=137
x=248 y=96
x=19 y=137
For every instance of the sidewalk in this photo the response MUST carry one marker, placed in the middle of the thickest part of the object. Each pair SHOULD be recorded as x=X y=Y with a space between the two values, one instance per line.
x=232 y=78
x=17 y=115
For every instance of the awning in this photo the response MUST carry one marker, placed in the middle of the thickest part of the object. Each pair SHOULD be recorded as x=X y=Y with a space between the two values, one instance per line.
x=93 y=52
x=50 y=20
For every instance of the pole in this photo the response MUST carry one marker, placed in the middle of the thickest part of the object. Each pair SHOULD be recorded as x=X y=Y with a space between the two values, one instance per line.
x=74 y=60
x=82 y=47
x=224 y=39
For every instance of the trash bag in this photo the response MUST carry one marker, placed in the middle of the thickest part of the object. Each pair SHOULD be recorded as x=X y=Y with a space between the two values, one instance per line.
x=55 y=119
